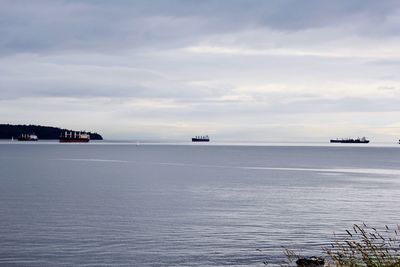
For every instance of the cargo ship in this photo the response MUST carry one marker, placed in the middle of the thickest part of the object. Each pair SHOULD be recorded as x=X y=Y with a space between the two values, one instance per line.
x=74 y=137
x=201 y=139
x=27 y=137
x=358 y=140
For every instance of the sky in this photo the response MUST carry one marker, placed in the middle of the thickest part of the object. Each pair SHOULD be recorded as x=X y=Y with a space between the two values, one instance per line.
x=253 y=70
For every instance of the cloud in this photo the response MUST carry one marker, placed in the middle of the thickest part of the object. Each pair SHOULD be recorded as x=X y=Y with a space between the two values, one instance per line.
x=28 y=76
x=51 y=26
x=230 y=67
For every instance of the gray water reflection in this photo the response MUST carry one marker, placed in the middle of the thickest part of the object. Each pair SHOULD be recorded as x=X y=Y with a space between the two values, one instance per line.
x=159 y=205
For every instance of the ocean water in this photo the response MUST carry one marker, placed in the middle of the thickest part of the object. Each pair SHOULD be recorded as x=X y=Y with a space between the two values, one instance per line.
x=106 y=204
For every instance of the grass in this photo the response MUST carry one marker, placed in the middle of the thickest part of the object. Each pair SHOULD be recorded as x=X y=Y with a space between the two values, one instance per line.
x=366 y=246
x=361 y=246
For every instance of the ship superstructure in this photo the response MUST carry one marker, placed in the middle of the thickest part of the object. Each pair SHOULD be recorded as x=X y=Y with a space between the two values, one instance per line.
x=74 y=137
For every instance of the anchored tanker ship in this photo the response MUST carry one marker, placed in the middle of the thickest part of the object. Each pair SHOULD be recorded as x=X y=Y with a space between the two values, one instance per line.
x=28 y=137
x=74 y=137
x=362 y=140
x=201 y=139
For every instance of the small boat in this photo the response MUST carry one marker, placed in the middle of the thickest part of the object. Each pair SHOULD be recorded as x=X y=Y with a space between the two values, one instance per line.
x=74 y=137
x=27 y=137
x=358 y=140
x=201 y=139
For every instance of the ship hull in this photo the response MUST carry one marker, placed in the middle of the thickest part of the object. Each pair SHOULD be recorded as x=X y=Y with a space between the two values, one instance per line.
x=27 y=140
x=74 y=140
x=350 y=141
x=200 y=140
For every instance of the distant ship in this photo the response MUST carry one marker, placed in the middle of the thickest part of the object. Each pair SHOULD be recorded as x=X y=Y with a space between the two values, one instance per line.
x=74 y=137
x=201 y=139
x=27 y=137
x=362 y=140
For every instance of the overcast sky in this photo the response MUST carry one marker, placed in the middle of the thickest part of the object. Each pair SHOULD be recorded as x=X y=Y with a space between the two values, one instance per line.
x=236 y=70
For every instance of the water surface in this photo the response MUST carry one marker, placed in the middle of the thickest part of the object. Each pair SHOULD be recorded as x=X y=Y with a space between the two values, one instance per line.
x=186 y=205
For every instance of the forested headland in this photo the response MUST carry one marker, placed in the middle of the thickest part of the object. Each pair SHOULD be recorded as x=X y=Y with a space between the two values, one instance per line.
x=8 y=131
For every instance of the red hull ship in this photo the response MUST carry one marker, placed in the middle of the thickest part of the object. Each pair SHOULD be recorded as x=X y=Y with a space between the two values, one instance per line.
x=74 y=137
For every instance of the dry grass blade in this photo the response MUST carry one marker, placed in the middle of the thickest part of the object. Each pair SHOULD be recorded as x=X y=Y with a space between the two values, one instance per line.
x=367 y=246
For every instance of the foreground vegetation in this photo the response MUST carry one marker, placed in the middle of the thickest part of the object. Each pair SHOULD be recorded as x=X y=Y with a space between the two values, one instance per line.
x=360 y=246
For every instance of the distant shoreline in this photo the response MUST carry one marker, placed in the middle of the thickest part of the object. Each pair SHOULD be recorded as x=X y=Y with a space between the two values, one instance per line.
x=9 y=131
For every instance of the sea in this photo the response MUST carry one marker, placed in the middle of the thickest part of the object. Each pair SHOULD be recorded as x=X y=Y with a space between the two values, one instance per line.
x=176 y=204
